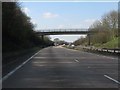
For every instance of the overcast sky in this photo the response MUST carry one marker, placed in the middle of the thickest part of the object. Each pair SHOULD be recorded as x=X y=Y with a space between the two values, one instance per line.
x=54 y=15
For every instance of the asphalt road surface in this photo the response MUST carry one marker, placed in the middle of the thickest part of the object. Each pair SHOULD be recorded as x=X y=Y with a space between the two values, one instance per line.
x=58 y=67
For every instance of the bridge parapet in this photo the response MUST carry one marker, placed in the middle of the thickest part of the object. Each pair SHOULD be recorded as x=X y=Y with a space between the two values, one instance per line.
x=61 y=30
x=64 y=32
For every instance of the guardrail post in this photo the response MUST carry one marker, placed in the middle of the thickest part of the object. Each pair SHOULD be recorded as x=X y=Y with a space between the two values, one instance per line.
x=114 y=50
x=107 y=50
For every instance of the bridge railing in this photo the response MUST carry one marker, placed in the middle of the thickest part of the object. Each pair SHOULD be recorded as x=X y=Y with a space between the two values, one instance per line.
x=61 y=30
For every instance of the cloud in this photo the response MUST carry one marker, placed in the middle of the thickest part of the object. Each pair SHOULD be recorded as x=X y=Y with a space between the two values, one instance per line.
x=48 y=15
x=87 y=23
x=33 y=21
x=83 y=24
x=60 y=26
x=68 y=26
x=89 y=20
x=26 y=10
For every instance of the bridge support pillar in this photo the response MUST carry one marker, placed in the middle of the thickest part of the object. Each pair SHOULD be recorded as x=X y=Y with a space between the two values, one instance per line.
x=42 y=38
x=89 y=41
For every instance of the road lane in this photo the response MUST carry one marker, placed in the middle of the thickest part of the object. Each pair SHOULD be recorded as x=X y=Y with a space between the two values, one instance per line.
x=57 y=67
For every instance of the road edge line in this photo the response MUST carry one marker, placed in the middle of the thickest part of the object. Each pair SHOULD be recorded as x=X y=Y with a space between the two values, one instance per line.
x=18 y=67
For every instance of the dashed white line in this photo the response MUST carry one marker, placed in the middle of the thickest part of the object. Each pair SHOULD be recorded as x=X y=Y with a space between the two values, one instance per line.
x=10 y=73
x=76 y=60
x=112 y=79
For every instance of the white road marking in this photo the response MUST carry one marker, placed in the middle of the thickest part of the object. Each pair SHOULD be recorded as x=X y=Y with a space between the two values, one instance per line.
x=10 y=73
x=76 y=60
x=112 y=79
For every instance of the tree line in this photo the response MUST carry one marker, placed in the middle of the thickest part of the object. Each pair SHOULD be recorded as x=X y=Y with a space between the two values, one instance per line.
x=17 y=30
x=57 y=41
x=106 y=29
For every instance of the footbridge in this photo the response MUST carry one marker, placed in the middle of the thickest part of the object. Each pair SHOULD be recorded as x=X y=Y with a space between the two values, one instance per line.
x=44 y=32
x=62 y=31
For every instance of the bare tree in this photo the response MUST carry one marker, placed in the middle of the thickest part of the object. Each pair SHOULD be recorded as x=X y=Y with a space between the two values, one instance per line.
x=110 y=20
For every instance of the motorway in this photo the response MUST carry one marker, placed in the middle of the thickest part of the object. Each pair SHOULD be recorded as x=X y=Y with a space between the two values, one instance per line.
x=58 y=67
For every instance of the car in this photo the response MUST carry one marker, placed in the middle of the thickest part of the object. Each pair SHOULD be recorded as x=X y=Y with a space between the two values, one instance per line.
x=72 y=45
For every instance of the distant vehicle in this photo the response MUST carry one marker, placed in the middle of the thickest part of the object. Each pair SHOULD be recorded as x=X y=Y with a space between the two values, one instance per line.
x=72 y=45
x=56 y=44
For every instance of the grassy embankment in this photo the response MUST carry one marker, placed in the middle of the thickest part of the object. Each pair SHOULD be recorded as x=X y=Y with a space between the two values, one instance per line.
x=113 y=43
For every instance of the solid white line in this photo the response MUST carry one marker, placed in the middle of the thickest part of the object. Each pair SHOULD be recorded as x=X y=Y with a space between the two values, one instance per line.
x=10 y=73
x=112 y=79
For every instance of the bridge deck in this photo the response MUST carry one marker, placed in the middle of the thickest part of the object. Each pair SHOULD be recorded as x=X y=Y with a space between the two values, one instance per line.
x=63 y=31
